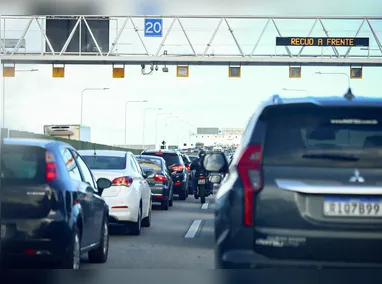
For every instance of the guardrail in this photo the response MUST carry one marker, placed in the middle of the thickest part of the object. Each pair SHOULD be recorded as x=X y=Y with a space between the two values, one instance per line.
x=79 y=145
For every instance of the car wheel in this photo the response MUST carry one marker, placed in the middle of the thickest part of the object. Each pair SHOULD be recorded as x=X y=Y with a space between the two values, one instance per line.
x=135 y=227
x=100 y=254
x=146 y=222
x=165 y=204
x=171 y=200
x=72 y=259
x=182 y=195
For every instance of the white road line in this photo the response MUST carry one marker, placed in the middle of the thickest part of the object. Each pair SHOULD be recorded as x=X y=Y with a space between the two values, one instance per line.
x=205 y=205
x=193 y=229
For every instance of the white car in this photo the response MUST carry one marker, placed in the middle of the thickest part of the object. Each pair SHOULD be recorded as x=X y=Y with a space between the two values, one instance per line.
x=129 y=197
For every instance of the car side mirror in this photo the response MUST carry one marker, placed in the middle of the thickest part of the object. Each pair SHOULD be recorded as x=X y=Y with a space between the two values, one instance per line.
x=215 y=163
x=103 y=183
x=149 y=174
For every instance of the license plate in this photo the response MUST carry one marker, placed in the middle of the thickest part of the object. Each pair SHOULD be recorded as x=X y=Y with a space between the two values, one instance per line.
x=352 y=207
x=3 y=231
x=202 y=181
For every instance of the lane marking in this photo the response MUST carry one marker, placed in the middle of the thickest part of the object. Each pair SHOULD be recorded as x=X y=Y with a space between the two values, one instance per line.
x=193 y=229
x=205 y=205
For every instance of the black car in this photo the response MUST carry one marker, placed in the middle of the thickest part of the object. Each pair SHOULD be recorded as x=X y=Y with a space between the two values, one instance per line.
x=51 y=209
x=176 y=167
x=304 y=188
x=161 y=185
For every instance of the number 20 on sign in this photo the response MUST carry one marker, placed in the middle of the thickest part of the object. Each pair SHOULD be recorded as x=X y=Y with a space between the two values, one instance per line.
x=153 y=27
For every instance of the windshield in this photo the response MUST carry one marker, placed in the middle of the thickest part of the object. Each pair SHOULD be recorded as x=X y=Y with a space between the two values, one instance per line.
x=171 y=159
x=155 y=164
x=105 y=162
x=330 y=137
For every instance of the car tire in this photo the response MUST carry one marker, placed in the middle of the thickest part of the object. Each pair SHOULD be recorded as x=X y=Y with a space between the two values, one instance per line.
x=165 y=204
x=182 y=195
x=100 y=254
x=171 y=201
x=72 y=259
x=146 y=222
x=134 y=228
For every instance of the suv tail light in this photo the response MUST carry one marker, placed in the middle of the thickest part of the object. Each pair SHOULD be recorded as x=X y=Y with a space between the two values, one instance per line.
x=50 y=167
x=188 y=168
x=250 y=171
x=124 y=181
x=179 y=168
x=160 y=178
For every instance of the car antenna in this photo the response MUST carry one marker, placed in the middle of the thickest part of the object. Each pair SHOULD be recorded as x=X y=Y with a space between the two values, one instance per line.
x=349 y=95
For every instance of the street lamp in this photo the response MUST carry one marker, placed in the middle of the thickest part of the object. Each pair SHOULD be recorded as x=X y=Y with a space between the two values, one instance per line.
x=145 y=101
x=82 y=97
x=3 y=101
x=165 y=124
x=156 y=127
x=144 y=122
x=349 y=94
x=296 y=90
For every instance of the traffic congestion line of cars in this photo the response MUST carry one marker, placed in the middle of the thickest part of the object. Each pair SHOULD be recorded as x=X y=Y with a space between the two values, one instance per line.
x=57 y=202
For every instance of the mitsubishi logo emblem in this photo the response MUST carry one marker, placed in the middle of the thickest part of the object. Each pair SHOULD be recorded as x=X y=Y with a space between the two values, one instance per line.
x=357 y=177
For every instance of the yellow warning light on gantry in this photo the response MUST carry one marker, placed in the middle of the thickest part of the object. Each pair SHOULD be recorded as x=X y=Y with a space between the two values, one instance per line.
x=9 y=71
x=58 y=72
x=119 y=72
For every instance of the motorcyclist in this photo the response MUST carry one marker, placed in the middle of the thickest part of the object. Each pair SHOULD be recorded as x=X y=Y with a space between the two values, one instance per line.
x=196 y=166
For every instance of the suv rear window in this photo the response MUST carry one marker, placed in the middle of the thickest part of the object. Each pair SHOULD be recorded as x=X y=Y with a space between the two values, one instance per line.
x=22 y=164
x=171 y=159
x=308 y=135
x=105 y=162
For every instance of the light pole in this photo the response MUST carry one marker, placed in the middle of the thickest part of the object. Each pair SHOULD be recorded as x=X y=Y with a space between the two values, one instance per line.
x=3 y=101
x=165 y=125
x=82 y=97
x=144 y=122
x=145 y=101
x=296 y=90
x=188 y=127
x=349 y=93
x=156 y=127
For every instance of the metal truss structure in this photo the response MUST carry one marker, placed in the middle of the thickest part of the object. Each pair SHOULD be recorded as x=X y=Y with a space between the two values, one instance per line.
x=193 y=40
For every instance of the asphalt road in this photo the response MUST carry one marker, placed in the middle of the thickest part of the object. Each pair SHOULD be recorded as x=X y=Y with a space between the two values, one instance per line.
x=180 y=238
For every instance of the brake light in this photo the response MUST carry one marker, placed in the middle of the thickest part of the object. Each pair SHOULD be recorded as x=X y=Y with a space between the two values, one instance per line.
x=50 y=167
x=250 y=171
x=188 y=168
x=124 y=181
x=201 y=177
x=160 y=178
x=30 y=251
x=177 y=168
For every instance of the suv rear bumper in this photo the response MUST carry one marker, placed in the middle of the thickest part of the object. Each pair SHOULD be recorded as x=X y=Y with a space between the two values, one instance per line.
x=246 y=259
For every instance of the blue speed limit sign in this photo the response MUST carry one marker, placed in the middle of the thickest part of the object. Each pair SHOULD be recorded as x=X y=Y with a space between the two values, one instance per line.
x=153 y=27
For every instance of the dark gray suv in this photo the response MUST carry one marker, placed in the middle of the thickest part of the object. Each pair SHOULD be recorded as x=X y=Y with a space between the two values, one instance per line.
x=304 y=187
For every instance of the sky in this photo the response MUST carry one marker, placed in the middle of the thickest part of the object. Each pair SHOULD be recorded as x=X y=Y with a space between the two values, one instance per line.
x=208 y=98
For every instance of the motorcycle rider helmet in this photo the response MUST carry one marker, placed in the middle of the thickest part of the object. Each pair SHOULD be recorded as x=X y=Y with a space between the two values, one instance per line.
x=202 y=154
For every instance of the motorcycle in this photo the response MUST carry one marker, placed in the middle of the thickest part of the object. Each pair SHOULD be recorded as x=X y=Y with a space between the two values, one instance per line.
x=202 y=189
